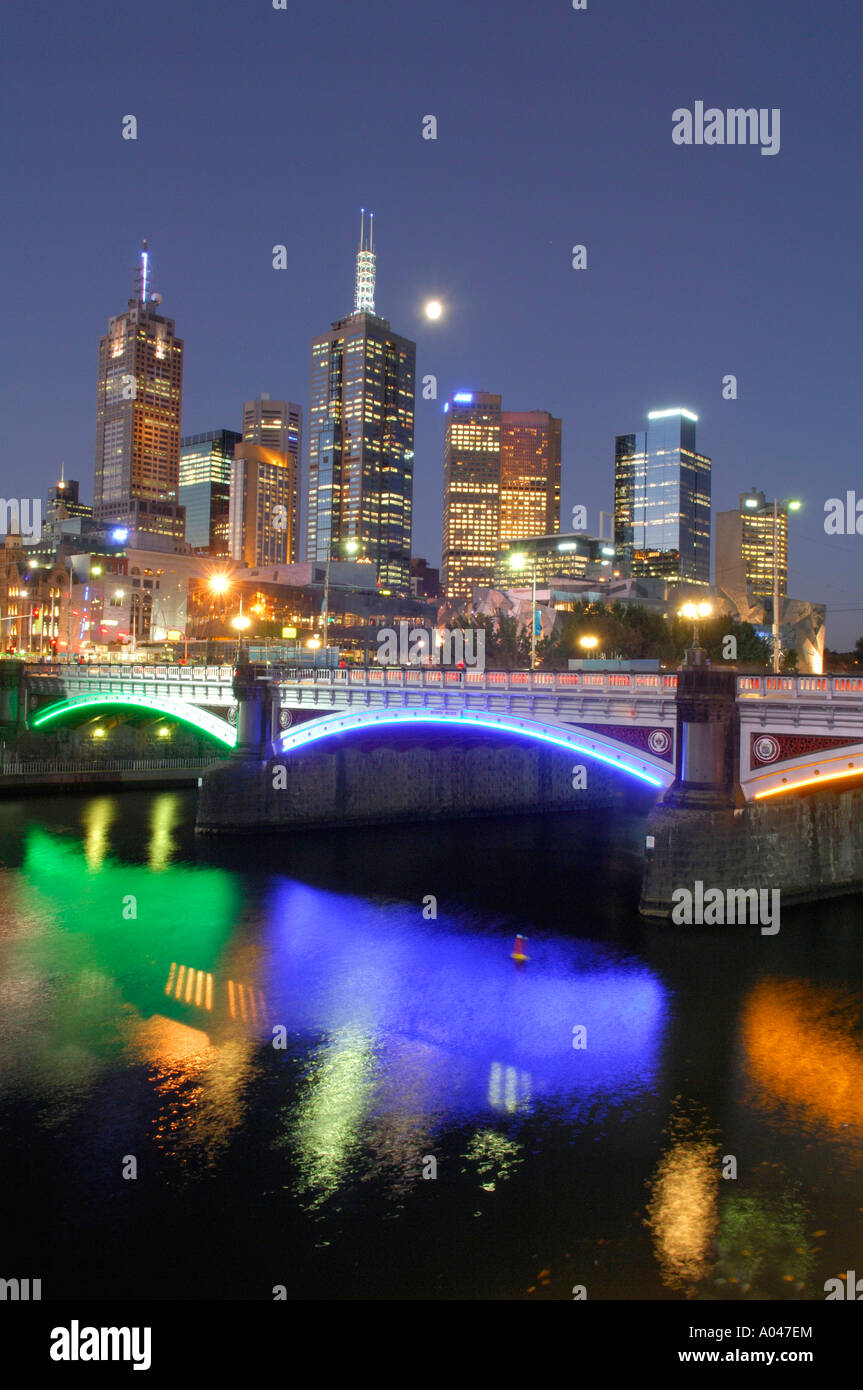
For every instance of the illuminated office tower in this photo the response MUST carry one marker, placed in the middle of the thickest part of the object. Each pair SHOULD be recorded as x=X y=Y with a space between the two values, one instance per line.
x=361 y=437
x=64 y=501
x=471 y=500
x=140 y=395
x=205 y=488
x=278 y=425
x=745 y=541
x=529 y=474
x=662 y=501
x=262 y=488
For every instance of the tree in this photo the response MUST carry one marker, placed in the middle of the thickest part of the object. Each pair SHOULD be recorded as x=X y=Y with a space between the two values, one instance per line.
x=789 y=661
x=507 y=646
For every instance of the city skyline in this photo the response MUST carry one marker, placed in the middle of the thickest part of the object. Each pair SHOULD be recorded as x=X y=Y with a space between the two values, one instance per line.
x=278 y=422
x=703 y=295
x=431 y=694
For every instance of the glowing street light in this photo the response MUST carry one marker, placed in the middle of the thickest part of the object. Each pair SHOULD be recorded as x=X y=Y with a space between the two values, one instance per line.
x=241 y=623
x=220 y=583
x=433 y=309
x=351 y=545
x=589 y=643
x=694 y=612
x=518 y=561
x=791 y=505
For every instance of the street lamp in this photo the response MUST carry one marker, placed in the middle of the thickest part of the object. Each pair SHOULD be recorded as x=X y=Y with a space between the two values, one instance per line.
x=588 y=643
x=792 y=505
x=240 y=624
x=694 y=612
x=351 y=545
x=518 y=561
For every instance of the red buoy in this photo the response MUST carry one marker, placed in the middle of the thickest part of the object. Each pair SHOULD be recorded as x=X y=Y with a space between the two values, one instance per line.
x=518 y=952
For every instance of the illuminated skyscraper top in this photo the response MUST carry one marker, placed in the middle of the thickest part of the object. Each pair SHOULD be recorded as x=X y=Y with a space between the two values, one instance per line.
x=662 y=500
x=364 y=293
x=139 y=404
x=361 y=437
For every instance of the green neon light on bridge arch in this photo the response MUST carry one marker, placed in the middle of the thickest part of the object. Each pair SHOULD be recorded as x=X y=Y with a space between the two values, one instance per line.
x=199 y=719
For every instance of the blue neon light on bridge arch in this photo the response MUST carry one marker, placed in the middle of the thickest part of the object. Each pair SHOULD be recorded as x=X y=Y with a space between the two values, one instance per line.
x=644 y=768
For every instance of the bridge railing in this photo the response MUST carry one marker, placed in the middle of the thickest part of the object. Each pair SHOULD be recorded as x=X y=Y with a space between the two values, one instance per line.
x=90 y=670
x=437 y=678
x=421 y=677
x=800 y=688
x=22 y=767
x=660 y=683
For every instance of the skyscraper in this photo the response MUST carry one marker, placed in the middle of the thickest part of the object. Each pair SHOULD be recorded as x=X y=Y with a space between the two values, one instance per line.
x=529 y=474
x=262 y=488
x=471 y=503
x=662 y=500
x=140 y=395
x=64 y=501
x=205 y=488
x=361 y=436
x=745 y=543
x=278 y=425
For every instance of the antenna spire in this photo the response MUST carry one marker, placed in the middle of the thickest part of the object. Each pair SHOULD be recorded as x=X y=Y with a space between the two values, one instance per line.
x=143 y=272
x=364 y=293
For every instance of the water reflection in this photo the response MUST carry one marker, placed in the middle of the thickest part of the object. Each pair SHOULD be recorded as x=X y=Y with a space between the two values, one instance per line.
x=420 y=1024
x=165 y=816
x=683 y=1211
x=398 y=1040
x=803 y=1052
x=99 y=815
x=764 y=1249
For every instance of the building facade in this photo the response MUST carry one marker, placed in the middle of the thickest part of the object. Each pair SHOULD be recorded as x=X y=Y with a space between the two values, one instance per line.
x=139 y=406
x=529 y=474
x=205 y=488
x=471 y=501
x=361 y=438
x=64 y=502
x=278 y=425
x=662 y=501
x=752 y=547
x=34 y=601
x=262 y=489
x=569 y=555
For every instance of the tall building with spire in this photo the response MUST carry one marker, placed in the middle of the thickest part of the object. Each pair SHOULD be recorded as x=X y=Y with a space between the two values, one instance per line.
x=361 y=436
x=139 y=404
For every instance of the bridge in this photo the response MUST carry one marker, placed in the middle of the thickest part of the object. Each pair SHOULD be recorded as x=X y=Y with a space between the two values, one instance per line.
x=730 y=760
x=794 y=731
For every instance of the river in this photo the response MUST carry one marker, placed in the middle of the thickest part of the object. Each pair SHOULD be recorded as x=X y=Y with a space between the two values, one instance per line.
x=308 y=1063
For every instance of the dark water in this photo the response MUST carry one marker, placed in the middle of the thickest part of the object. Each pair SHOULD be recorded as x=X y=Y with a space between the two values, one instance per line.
x=142 y=975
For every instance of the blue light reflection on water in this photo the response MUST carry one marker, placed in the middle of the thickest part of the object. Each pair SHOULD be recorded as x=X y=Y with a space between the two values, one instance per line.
x=382 y=972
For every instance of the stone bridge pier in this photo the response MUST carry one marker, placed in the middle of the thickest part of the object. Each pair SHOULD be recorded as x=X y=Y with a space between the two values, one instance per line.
x=703 y=830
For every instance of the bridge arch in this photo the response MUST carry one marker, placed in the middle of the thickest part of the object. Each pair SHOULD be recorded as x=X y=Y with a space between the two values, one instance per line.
x=200 y=719
x=636 y=763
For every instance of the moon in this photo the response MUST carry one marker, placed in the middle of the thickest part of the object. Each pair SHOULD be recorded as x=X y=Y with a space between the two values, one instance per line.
x=433 y=309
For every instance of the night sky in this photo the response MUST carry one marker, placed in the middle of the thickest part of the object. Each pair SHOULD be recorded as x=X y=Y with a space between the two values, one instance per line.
x=259 y=126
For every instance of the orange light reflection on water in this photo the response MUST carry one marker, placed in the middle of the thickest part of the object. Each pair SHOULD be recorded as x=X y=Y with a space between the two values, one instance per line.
x=803 y=1048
